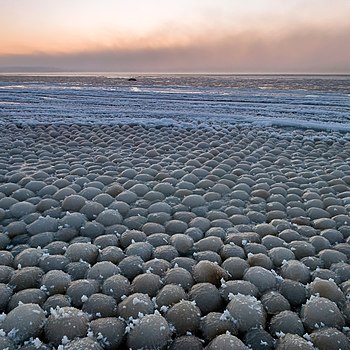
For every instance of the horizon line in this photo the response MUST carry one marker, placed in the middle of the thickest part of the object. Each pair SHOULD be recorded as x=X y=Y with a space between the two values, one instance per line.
x=58 y=71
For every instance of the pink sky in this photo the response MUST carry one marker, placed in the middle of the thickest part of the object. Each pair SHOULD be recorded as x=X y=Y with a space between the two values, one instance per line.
x=234 y=36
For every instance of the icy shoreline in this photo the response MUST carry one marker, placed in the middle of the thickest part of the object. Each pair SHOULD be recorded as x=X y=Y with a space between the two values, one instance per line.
x=180 y=103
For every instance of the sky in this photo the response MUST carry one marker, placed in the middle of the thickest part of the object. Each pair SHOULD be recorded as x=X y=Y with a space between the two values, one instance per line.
x=219 y=36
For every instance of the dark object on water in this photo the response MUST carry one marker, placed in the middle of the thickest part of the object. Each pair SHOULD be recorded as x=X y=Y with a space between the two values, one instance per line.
x=132 y=79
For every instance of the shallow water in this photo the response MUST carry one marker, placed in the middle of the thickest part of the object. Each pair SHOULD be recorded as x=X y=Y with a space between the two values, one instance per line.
x=319 y=102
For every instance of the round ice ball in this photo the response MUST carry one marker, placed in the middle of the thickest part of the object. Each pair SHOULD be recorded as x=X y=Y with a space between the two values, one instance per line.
x=152 y=332
x=320 y=312
x=24 y=322
x=247 y=312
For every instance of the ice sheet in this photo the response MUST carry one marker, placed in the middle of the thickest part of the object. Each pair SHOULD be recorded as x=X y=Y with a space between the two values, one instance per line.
x=187 y=101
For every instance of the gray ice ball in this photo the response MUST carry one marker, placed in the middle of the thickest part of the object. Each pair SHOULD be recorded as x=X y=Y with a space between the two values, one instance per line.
x=67 y=322
x=152 y=332
x=24 y=321
x=320 y=312
x=247 y=312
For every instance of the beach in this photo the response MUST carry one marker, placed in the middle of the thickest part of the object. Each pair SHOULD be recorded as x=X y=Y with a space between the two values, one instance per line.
x=163 y=237
x=175 y=175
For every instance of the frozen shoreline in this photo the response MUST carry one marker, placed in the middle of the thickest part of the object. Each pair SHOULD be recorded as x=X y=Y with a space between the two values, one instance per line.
x=115 y=225
x=180 y=101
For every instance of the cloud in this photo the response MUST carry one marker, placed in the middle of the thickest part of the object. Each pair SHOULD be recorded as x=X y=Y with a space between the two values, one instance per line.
x=307 y=49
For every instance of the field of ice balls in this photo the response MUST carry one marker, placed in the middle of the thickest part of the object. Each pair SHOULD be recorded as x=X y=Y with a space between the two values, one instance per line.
x=131 y=237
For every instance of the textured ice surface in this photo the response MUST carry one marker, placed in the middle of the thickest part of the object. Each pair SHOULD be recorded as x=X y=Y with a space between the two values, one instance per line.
x=199 y=100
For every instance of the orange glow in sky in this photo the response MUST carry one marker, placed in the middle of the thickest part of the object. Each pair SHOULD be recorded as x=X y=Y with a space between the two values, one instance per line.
x=183 y=35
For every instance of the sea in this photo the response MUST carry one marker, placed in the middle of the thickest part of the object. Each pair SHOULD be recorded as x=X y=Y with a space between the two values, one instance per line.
x=182 y=100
